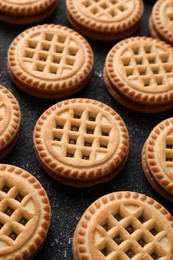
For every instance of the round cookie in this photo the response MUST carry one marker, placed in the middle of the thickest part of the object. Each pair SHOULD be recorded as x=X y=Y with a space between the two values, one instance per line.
x=50 y=61
x=10 y=118
x=23 y=12
x=138 y=73
x=124 y=225
x=81 y=142
x=24 y=214
x=105 y=20
x=131 y=104
x=157 y=158
x=161 y=24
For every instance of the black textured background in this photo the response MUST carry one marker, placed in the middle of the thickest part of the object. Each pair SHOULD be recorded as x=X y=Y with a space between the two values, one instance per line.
x=68 y=204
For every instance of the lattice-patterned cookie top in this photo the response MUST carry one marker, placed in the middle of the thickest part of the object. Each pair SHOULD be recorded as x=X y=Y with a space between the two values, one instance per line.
x=10 y=117
x=25 y=7
x=111 y=15
x=124 y=225
x=51 y=58
x=24 y=213
x=162 y=15
x=159 y=154
x=81 y=137
x=106 y=11
x=142 y=68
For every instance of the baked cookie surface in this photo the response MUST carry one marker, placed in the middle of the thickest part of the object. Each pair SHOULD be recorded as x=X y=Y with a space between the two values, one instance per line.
x=50 y=61
x=10 y=118
x=157 y=158
x=124 y=225
x=24 y=213
x=140 y=70
x=81 y=142
x=23 y=12
x=100 y=20
x=161 y=24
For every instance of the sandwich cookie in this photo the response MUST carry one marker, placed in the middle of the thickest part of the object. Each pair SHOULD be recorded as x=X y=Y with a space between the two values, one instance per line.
x=50 y=61
x=24 y=214
x=157 y=158
x=105 y=20
x=122 y=226
x=24 y=12
x=138 y=73
x=161 y=21
x=10 y=118
x=81 y=142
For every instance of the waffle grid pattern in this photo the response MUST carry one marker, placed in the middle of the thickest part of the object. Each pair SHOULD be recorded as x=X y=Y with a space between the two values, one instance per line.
x=13 y=213
x=106 y=9
x=161 y=137
x=82 y=135
x=51 y=53
x=128 y=235
x=147 y=66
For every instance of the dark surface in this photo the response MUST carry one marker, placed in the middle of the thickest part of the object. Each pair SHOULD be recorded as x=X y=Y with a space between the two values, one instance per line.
x=68 y=204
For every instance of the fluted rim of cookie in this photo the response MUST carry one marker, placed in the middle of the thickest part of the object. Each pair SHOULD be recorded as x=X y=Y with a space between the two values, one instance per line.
x=153 y=32
x=95 y=150
x=43 y=67
x=10 y=121
x=27 y=8
x=78 y=13
x=158 y=188
x=128 y=103
x=96 y=235
x=160 y=20
x=137 y=84
x=158 y=154
x=28 y=210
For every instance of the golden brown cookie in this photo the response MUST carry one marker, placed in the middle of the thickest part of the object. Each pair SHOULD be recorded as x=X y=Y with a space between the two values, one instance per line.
x=130 y=104
x=22 y=12
x=50 y=61
x=105 y=20
x=10 y=117
x=157 y=158
x=24 y=214
x=152 y=30
x=124 y=225
x=138 y=73
x=81 y=142
x=161 y=22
